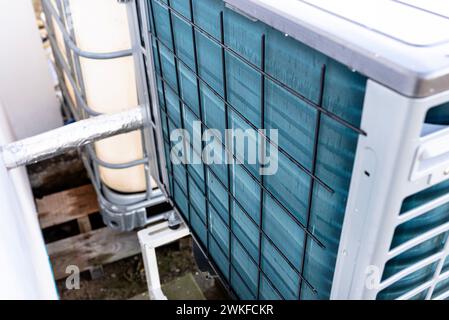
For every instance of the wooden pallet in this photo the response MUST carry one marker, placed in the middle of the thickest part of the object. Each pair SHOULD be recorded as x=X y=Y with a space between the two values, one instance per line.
x=91 y=249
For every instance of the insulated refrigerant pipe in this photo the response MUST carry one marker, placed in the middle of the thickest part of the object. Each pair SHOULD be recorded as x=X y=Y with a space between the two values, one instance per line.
x=49 y=144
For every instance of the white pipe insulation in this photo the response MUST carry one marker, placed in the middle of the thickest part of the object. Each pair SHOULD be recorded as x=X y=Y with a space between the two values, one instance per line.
x=77 y=134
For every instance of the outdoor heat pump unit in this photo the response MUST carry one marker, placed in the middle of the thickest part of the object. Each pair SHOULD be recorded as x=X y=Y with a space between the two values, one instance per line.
x=358 y=207
x=358 y=91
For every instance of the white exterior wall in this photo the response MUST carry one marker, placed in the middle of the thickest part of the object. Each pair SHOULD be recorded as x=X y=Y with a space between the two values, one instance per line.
x=25 y=271
x=26 y=87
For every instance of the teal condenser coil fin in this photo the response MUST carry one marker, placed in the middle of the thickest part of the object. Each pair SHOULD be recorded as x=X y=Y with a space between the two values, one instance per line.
x=284 y=236
x=438 y=115
x=276 y=236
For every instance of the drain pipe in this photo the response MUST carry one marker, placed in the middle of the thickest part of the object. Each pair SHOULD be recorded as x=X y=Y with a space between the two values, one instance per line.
x=74 y=135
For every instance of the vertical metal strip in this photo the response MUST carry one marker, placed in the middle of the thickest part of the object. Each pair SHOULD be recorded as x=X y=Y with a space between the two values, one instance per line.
x=62 y=11
x=261 y=159
x=51 y=36
x=200 y=107
x=75 y=64
x=228 y=166
x=149 y=57
x=178 y=85
x=146 y=133
x=312 y=181
x=162 y=83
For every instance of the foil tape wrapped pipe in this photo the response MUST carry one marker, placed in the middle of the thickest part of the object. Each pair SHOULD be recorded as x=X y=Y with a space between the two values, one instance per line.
x=57 y=141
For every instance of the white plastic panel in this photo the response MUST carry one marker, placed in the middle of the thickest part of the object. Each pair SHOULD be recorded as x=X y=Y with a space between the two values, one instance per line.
x=440 y=7
x=394 y=19
x=410 y=163
x=432 y=157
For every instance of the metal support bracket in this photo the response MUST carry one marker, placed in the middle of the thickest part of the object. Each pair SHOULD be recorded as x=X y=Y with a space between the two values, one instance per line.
x=151 y=238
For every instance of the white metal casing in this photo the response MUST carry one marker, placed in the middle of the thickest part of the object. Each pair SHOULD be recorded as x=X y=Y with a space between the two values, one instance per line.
x=384 y=175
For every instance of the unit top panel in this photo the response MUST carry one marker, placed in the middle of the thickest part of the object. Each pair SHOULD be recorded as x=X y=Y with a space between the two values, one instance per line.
x=403 y=44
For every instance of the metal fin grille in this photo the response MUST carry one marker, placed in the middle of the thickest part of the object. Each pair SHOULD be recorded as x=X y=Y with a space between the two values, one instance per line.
x=420 y=264
x=274 y=236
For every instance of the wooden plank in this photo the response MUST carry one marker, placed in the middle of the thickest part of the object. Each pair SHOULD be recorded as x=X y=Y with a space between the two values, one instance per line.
x=84 y=224
x=95 y=248
x=96 y=272
x=67 y=205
